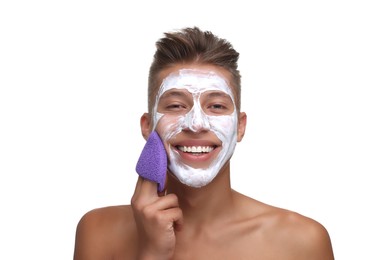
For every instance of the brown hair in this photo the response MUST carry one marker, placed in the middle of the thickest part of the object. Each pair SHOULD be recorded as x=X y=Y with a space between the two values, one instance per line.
x=192 y=45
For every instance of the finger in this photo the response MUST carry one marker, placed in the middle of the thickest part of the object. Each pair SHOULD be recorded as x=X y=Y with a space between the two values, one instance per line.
x=166 y=202
x=145 y=193
x=144 y=187
x=175 y=216
x=137 y=188
x=148 y=188
x=163 y=192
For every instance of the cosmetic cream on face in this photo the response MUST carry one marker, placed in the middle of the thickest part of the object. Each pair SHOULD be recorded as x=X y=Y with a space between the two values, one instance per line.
x=197 y=83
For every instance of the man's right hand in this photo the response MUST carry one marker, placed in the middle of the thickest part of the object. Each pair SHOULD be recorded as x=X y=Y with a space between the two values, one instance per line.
x=157 y=218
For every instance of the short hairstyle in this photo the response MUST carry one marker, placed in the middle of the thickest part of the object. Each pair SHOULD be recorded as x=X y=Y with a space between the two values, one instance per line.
x=192 y=45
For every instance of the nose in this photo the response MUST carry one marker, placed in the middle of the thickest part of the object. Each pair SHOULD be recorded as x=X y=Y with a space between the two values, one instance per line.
x=196 y=120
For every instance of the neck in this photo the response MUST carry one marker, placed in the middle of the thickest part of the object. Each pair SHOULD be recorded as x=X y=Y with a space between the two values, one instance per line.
x=205 y=204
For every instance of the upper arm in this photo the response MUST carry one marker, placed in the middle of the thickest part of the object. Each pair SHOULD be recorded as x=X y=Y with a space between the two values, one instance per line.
x=314 y=242
x=322 y=243
x=89 y=242
x=106 y=233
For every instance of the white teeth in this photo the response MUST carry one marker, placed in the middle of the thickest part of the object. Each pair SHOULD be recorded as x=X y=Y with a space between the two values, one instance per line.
x=196 y=149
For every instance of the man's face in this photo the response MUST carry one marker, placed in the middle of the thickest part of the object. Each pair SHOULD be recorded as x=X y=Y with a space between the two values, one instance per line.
x=196 y=118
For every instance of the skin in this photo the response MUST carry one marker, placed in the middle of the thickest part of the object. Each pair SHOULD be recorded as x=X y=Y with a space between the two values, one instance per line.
x=212 y=222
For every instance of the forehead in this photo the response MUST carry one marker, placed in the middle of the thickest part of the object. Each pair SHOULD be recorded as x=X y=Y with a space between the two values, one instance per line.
x=223 y=73
x=194 y=66
x=195 y=81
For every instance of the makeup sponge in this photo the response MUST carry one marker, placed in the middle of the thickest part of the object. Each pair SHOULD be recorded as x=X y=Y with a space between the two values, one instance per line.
x=152 y=163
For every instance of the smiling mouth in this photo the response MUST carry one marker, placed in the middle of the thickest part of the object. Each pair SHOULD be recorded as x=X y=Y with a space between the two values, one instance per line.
x=195 y=150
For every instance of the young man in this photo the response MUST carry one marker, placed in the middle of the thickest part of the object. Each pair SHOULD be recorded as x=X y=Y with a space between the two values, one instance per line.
x=194 y=106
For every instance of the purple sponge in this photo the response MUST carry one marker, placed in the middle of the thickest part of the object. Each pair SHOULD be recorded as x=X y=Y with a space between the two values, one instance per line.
x=152 y=164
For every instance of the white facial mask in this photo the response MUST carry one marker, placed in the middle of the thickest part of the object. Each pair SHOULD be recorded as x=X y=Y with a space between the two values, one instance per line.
x=224 y=127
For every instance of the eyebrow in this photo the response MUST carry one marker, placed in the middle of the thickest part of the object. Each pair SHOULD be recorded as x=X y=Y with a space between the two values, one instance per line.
x=174 y=93
x=217 y=94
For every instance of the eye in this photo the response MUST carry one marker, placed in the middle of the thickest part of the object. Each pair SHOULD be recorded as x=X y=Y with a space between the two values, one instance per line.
x=217 y=107
x=175 y=107
x=217 y=103
x=175 y=101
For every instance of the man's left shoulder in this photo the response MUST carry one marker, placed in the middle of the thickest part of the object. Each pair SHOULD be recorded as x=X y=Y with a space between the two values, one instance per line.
x=300 y=225
x=305 y=235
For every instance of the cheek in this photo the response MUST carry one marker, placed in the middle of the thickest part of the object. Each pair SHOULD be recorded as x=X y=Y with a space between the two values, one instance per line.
x=168 y=126
x=223 y=124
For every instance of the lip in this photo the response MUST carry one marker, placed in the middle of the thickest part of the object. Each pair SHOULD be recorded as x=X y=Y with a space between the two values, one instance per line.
x=196 y=159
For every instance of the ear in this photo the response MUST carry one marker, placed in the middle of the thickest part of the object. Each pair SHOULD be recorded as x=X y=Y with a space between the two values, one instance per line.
x=146 y=125
x=241 y=126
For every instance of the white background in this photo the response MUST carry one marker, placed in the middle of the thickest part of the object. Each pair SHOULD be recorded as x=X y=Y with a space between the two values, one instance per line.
x=73 y=77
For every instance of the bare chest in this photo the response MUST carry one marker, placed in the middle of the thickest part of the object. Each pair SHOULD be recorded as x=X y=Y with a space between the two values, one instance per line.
x=220 y=247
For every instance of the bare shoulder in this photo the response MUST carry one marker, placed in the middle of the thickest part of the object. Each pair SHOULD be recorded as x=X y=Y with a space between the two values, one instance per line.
x=301 y=235
x=105 y=233
x=288 y=234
